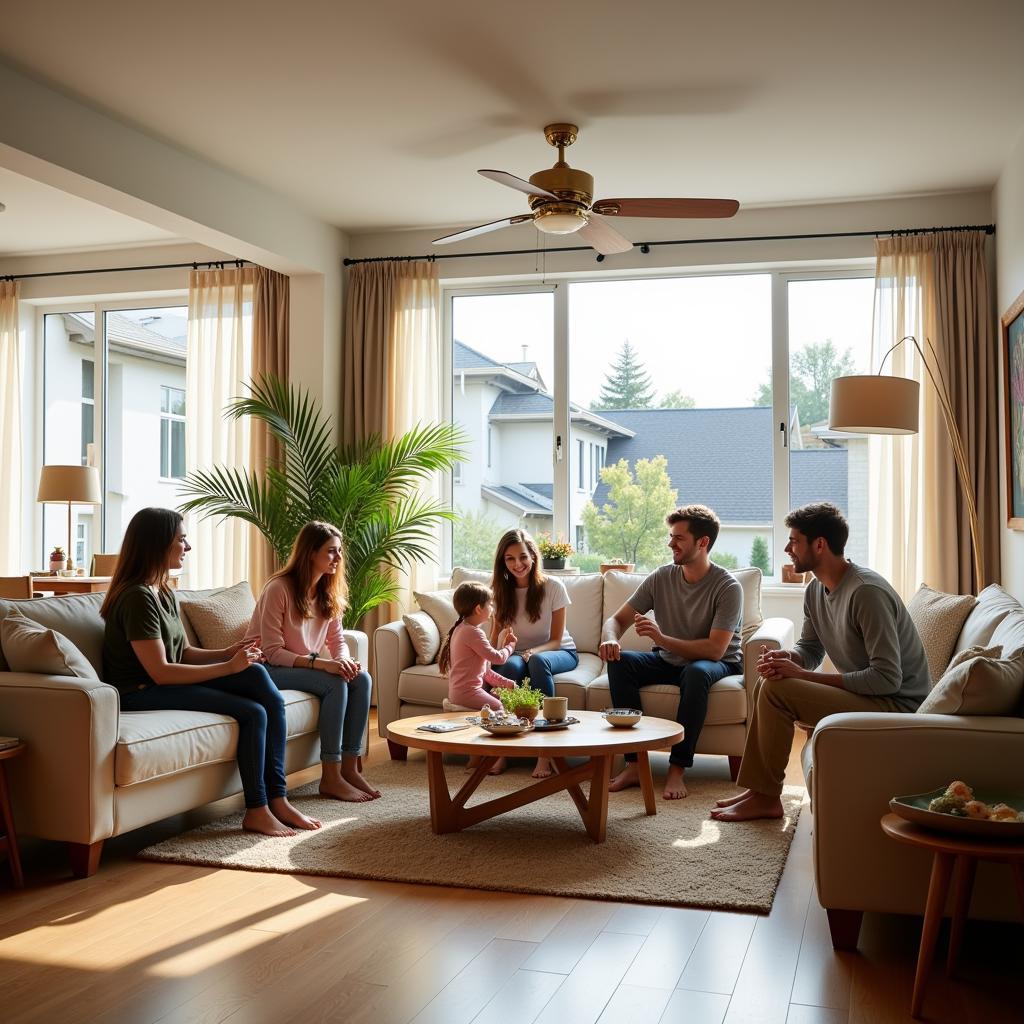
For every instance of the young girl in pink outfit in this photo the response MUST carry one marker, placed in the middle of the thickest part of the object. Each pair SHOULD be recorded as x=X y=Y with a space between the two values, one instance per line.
x=467 y=656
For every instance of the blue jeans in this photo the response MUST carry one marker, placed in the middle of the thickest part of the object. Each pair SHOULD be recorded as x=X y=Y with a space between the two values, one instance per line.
x=540 y=668
x=344 y=706
x=636 y=669
x=252 y=700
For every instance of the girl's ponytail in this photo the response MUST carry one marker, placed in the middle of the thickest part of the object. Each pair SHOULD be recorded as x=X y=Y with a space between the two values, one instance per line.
x=444 y=659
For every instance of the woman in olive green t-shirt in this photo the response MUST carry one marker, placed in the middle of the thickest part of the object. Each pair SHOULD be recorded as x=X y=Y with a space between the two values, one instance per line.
x=148 y=658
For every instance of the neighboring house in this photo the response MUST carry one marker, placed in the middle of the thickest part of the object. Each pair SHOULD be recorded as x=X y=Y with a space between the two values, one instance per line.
x=145 y=421
x=720 y=457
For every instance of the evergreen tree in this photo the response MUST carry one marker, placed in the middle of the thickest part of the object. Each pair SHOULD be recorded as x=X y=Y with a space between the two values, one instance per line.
x=628 y=385
x=759 y=556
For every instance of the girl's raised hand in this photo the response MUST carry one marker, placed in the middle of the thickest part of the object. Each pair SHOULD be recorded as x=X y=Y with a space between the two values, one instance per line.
x=507 y=637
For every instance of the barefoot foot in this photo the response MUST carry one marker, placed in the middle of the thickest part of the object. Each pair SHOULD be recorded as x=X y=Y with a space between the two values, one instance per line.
x=499 y=766
x=729 y=801
x=629 y=776
x=675 y=788
x=341 y=789
x=262 y=822
x=754 y=807
x=288 y=815
x=543 y=769
x=354 y=777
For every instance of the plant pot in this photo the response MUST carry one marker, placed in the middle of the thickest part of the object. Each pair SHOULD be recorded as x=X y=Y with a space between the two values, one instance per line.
x=553 y=563
x=617 y=567
x=789 y=575
x=527 y=711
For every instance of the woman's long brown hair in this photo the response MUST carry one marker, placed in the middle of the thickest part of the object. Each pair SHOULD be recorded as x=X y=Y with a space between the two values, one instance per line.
x=466 y=599
x=331 y=589
x=143 y=555
x=503 y=584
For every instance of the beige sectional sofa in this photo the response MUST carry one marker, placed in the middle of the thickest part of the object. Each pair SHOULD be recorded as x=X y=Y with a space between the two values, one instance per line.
x=856 y=762
x=406 y=689
x=92 y=771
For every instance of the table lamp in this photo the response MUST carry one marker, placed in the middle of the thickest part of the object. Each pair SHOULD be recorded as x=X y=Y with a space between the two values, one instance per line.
x=72 y=484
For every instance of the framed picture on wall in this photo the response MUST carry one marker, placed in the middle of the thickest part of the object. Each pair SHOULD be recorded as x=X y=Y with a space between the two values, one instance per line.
x=1013 y=398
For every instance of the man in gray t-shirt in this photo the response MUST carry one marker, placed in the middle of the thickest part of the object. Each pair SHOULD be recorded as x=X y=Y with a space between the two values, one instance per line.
x=855 y=617
x=699 y=608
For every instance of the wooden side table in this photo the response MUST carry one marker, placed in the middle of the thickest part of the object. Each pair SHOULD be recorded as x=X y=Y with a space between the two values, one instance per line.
x=963 y=854
x=9 y=838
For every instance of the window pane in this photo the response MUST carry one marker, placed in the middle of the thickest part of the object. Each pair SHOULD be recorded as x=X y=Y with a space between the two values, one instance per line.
x=165 y=448
x=178 y=449
x=88 y=378
x=829 y=336
x=665 y=377
x=177 y=401
x=502 y=362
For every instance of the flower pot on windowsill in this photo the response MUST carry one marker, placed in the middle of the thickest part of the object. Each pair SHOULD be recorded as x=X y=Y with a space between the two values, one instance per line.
x=553 y=563
x=790 y=575
x=617 y=567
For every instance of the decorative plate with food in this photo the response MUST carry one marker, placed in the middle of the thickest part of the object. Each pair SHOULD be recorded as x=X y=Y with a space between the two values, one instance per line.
x=961 y=809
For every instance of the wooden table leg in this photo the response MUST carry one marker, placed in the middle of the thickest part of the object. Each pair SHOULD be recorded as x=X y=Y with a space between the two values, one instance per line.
x=11 y=836
x=963 y=884
x=938 y=890
x=643 y=763
x=1017 y=870
x=596 y=818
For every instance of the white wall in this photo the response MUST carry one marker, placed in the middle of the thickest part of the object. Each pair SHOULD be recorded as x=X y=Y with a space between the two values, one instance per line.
x=1009 y=216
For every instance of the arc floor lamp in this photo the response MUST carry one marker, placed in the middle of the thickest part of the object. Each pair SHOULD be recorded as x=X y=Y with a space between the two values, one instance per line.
x=877 y=404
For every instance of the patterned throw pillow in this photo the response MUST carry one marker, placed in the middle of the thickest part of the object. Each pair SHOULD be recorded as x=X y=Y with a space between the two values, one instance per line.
x=438 y=605
x=222 y=618
x=425 y=636
x=978 y=686
x=939 y=618
x=30 y=647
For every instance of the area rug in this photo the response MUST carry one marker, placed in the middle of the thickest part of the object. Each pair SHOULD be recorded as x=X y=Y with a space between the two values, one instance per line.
x=677 y=857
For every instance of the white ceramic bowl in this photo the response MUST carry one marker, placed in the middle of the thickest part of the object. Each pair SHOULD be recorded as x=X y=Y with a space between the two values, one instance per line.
x=623 y=717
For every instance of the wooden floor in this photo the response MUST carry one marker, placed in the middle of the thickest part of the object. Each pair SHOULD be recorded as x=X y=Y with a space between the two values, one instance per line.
x=143 y=942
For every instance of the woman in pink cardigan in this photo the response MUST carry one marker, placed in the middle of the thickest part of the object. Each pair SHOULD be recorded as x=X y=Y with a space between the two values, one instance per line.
x=297 y=625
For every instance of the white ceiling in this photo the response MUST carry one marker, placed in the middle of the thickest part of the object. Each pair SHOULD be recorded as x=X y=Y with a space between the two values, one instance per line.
x=377 y=116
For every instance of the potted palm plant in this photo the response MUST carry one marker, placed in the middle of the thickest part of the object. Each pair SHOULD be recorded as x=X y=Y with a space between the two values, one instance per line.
x=368 y=490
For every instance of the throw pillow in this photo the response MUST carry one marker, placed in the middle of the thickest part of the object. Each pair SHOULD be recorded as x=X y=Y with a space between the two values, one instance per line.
x=438 y=605
x=939 y=618
x=425 y=636
x=30 y=647
x=978 y=686
x=222 y=618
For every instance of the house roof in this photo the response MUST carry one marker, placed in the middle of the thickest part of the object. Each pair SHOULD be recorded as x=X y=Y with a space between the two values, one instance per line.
x=508 y=376
x=127 y=335
x=723 y=458
x=519 y=498
x=540 y=405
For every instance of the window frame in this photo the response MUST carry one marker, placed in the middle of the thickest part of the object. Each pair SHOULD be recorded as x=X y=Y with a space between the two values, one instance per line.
x=171 y=418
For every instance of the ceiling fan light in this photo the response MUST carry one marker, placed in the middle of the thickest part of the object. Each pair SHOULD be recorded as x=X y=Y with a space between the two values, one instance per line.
x=559 y=222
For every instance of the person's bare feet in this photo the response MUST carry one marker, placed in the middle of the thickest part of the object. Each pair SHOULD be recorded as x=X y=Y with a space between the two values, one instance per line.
x=354 y=777
x=290 y=816
x=629 y=776
x=262 y=822
x=543 y=769
x=499 y=766
x=342 y=789
x=751 y=808
x=675 y=788
x=729 y=801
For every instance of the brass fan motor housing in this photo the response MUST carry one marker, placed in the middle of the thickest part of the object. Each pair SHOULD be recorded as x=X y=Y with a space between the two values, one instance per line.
x=566 y=182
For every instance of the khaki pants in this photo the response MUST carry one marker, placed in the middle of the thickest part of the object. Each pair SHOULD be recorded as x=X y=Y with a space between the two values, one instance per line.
x=777 y=704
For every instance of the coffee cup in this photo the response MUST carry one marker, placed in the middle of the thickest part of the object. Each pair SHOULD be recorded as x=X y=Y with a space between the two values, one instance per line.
x=556 y=709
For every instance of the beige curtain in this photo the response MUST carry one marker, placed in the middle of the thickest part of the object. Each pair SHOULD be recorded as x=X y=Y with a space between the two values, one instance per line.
x=11 y=561
x=269 y=356
x=391 y=372
x=219 y=362
x=934 y=287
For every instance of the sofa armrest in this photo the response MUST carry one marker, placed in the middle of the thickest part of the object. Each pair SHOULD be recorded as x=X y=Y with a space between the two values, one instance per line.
x=358 y=645
x=775 y=634
x=63 y=785
x=861 y=760
x=392 y=653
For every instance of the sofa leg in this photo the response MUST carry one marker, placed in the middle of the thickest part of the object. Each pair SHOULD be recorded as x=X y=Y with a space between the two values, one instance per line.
x=734 y=766
x=844 y=926
x=85 y=858
x=397 y=751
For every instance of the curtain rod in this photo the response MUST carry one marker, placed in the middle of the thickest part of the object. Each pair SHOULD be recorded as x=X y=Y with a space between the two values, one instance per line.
x=209 y=265
x=645 y=247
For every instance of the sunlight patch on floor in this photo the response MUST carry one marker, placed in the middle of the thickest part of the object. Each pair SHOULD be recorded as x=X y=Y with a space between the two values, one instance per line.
x=709 y=833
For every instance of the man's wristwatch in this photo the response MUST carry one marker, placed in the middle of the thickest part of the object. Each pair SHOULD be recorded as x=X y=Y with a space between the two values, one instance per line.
x=312 y=658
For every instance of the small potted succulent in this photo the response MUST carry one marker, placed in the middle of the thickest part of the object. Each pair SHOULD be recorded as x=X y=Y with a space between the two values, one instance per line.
x=553 y=552
x=522 y=701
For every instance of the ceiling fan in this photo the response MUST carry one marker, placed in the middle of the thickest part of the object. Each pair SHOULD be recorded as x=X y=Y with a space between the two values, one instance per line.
x=562 y=203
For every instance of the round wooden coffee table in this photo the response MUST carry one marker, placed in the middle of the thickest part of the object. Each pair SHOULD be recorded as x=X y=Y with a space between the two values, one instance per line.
x=593 y=738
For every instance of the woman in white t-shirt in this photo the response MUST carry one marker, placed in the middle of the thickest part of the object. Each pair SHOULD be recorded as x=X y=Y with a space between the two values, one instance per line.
x=533 y=605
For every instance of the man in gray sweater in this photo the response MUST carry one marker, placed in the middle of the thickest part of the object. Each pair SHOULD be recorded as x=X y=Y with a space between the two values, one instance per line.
x=855 y=617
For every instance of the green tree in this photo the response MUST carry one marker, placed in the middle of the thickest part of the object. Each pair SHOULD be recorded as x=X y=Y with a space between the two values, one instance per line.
x=474 y=540
x=677 y=400
x=725 y=560
x=631 y=524
x=810 y=380
x=628 y=385
x=759 y=556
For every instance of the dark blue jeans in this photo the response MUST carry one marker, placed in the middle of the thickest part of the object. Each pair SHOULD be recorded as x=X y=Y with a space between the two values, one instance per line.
x=541 y=668
x=637 y=669
x=252 y=700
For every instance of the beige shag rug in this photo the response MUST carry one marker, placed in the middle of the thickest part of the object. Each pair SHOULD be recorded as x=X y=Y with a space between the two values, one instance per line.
x=678 y=856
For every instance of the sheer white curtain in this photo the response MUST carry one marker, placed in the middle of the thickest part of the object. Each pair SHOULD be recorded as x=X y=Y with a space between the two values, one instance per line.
x=11 y=563
x=218 y=365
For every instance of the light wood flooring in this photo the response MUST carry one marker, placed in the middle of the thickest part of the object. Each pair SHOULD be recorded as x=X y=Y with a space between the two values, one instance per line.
x=143 y=942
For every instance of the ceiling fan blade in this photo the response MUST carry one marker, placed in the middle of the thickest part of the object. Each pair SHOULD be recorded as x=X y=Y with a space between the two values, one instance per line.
x=519 y=184
x=666 y=207
x=482 y=229
x=600 y=235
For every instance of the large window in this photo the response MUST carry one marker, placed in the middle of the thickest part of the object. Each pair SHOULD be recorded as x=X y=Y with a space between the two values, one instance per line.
x=609 y=402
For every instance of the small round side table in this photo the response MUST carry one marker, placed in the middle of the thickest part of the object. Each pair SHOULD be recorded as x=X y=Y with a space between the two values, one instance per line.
x=949 y=851
x=9 y=837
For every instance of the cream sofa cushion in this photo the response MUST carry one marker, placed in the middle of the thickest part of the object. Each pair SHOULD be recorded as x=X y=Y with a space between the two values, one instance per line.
x=438 y=605
x=939 y=618
x=425 y=636
x=994 y=605
x=583 y=617
x=727 y=700
x=1009 y=633
x=29 y=647
x=219 y=619
x=978 y=686
x=76 y=617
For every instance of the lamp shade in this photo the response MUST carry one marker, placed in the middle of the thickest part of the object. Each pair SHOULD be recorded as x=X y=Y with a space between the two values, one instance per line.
x=70 y=484
x=874 y=405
